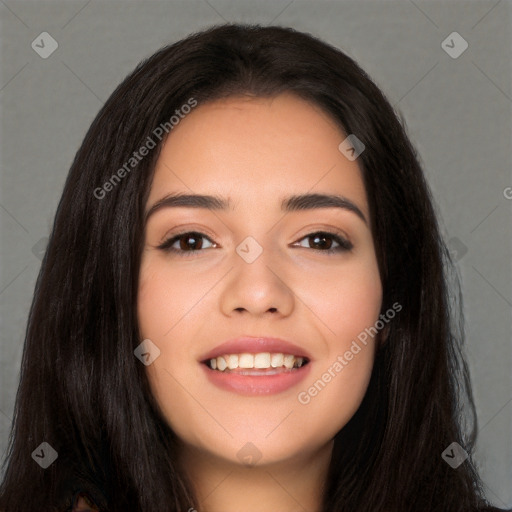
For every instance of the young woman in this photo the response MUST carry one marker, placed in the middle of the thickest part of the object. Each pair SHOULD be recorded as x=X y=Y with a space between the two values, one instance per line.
x=245 y=300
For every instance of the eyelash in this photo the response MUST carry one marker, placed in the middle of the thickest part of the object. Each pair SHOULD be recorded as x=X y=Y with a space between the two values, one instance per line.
x=343 y=244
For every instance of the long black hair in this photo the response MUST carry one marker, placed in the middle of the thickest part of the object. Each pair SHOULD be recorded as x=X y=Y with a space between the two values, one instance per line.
x=84 y=393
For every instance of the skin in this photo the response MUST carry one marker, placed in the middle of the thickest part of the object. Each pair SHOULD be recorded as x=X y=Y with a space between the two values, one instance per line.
x=256 y=151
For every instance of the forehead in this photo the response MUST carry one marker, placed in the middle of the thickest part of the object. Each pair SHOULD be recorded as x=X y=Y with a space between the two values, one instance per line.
x=257 y=149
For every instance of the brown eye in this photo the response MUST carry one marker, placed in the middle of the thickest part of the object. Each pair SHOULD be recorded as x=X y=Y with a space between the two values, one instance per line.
x=327 y=242
x=321 y=241
x=190 y=241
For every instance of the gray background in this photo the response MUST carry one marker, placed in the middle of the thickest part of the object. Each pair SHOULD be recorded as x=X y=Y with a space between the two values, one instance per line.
x=457 y=112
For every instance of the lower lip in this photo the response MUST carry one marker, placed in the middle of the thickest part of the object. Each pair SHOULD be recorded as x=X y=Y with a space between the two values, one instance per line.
x=253 y=385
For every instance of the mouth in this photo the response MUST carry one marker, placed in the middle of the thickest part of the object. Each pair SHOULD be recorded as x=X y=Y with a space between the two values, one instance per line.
x=252 y=366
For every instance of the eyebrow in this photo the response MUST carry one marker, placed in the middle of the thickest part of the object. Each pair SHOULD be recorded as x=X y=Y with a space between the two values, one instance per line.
x=288 y=204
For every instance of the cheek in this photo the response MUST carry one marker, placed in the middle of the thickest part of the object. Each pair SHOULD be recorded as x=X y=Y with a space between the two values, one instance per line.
x=348 y=306
x=169 y=307
x=334 y=393
x=164 y=298
x=346 y=301
x=151 y=295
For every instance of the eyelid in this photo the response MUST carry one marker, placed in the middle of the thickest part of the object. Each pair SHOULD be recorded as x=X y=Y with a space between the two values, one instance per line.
x=329 y=229
x=185 y=229
x=332 y=230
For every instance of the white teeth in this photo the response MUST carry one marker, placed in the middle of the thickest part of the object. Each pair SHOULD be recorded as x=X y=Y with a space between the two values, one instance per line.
x=277 y=360
x=232 y=361
x=262 y=360
x=221 y=364
x=246 y=361
x=288 y=361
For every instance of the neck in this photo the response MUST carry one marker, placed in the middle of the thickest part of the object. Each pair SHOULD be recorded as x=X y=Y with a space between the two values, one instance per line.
x=221 y=485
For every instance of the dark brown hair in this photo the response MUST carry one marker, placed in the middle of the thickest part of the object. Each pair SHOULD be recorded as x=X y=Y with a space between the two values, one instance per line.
x=83 y=391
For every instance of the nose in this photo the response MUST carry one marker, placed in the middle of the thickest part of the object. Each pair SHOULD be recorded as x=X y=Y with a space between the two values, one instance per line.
x=258 y=288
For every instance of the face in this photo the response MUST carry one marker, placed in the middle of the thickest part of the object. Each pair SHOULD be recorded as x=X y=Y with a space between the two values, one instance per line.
x=297 y=281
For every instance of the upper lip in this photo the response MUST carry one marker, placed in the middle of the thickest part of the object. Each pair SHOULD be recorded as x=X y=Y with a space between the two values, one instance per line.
x=255 y=345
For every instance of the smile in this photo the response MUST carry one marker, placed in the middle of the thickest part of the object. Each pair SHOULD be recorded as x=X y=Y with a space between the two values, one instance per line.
x=258 y=374
x=262 y=360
